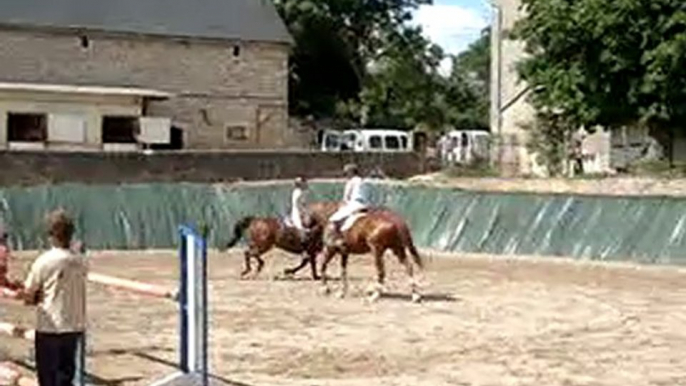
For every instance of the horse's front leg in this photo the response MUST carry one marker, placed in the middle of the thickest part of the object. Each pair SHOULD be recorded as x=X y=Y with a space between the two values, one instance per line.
x=246 y=264
x=329 y=253
x=313 y=266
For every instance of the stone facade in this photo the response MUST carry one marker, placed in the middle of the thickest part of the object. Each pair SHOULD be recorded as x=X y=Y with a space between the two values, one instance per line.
x=219 y=86
x=512 y=112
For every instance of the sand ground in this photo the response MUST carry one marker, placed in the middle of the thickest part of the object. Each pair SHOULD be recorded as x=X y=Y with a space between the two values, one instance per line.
x=486 y=321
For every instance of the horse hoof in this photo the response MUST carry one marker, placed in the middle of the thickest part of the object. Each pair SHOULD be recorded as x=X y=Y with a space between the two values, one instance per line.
x=374 y=288
x=340 y=294
x=416 y=298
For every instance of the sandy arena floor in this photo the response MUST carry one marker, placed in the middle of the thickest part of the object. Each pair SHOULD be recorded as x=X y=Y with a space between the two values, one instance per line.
x=485 y=322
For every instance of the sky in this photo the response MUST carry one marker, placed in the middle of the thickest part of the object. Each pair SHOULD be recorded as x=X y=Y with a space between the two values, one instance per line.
x=453 y=24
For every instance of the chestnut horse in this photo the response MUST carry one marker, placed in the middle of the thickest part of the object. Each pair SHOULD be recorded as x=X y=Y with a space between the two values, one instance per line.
x=376 y=231
x=265 y=233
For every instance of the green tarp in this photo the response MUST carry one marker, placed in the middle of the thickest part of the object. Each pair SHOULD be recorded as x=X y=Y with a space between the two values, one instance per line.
x=640 y=229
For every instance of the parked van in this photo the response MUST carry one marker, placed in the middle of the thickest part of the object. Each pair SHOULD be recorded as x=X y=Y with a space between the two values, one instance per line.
x=464 y=146
x=366 y=140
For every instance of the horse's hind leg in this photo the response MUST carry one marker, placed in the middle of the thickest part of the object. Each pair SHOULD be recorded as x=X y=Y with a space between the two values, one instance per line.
x=292 y=271
x=380 y=274
x=344 y=275
x=402 y=257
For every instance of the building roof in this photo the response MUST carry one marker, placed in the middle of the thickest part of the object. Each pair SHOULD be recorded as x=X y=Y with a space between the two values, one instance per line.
x=92 y=90
x=248 y=20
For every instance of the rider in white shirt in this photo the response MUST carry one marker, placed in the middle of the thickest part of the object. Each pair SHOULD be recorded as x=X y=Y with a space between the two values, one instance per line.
x=354 y=197
x=298 y=206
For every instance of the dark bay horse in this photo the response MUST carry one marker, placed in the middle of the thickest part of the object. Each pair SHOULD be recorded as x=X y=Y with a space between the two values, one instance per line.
x=375 y=232
x=265 y=233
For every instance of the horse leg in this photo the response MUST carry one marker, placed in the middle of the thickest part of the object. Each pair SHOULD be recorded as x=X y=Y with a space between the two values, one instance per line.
x=344 y=276
x=246 y=268
x=328 y=255
x=292 y=271
x=260 y=265
x=402 y=257
x=313 y=266
x=380 y=275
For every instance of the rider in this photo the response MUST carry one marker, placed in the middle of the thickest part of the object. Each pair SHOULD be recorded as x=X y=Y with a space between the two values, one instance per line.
x=299 y=206
x=354 y=198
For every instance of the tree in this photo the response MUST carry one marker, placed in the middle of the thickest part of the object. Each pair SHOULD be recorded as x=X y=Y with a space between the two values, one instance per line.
x=468 y=85
x=335 y=42
x=404 y=88
x=608 y=63
x=360 y=61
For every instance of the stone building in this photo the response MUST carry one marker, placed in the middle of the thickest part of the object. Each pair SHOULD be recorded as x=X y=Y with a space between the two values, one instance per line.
x=510 y=111
x=104 y=74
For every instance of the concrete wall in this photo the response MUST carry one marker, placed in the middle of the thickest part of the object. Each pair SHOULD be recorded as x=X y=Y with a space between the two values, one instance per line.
x=515 y=112
x=31 y=168
x=215 y=88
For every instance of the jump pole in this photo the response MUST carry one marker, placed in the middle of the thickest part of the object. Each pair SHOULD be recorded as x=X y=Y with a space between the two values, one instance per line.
x=132 y=286
x=193 y=320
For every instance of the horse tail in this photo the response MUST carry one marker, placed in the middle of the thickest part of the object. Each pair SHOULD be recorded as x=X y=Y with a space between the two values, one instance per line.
x=238 y=231
x=409 y=244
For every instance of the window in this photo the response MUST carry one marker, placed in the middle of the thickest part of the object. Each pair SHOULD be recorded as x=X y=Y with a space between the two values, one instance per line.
x=348 y=142
x=375 y=142
x=119 y=129
x=403 y=142
x=236 y=133
x=392 y=142
x=27 y=127
x=67 y=128
x=331 y=141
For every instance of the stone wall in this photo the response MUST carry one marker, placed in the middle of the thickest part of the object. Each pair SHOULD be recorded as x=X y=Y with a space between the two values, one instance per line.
x=32 y=168
x=219 y=84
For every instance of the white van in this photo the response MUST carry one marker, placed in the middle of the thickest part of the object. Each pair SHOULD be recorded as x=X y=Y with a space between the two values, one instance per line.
x=366 y=140
x=464 y=146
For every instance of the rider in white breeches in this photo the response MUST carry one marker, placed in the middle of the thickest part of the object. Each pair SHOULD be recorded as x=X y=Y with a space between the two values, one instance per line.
x=354 y=197
x=299 y=205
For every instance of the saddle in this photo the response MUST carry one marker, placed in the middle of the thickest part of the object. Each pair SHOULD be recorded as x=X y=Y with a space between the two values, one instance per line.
x=350 y=220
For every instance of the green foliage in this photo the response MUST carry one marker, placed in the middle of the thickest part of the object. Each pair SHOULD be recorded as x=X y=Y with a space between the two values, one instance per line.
x=335 y=39
x=361 y=61
x=549 y=136
x=607 y=63
x=468 y=86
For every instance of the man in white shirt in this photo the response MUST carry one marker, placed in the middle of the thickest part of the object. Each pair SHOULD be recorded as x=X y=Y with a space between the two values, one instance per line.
x=354 y=197
x=299 y=206
x=56 y=285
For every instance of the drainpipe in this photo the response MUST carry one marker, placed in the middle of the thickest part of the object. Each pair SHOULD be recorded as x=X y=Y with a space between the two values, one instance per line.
x=496 y=75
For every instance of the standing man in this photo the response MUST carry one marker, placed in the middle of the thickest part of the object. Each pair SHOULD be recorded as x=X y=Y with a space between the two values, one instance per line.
x=56 y=285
